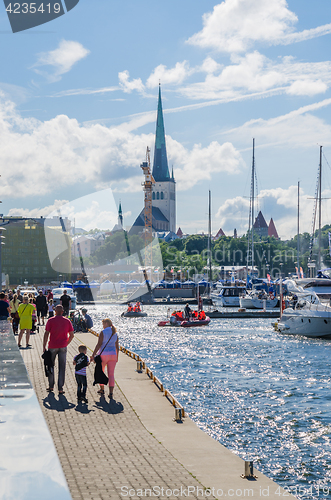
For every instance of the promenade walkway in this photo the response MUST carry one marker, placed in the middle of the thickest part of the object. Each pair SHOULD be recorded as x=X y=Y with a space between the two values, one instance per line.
x=102 y=446
x=126 y=447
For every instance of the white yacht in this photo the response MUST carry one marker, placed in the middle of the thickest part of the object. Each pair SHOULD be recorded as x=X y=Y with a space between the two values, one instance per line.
x=321 y=286
x=309 y=317
x=258 y=299
x=228 y=296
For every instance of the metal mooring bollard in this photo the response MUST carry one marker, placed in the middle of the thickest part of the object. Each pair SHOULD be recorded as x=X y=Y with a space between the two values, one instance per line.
x=249 y=470
x=178 y=415
x=139 y=366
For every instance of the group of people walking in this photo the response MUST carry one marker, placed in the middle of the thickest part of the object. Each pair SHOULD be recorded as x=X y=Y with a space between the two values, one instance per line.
x=25 y=311
x=59 y=333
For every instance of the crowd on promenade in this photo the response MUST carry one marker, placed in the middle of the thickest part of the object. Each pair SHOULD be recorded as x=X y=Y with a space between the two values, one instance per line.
x=28 y=312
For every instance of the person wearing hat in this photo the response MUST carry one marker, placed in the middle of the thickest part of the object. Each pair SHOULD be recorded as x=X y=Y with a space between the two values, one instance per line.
x=86 y=320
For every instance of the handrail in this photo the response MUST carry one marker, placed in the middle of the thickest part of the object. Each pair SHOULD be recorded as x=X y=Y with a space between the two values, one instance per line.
x=154 y=379
x=174 y=401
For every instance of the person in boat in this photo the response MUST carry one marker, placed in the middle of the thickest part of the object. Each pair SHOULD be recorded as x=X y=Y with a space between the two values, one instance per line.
x=130 y=307
x=187 y=312
x=137 y=307
x=200 y=303
x=202 y=316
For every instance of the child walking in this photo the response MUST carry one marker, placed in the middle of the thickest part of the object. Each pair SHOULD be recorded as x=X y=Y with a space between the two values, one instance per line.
x=50 y=308
x=81 y=361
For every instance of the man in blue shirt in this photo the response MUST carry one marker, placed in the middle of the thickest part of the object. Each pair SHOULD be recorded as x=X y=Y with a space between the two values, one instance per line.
x=87 y=320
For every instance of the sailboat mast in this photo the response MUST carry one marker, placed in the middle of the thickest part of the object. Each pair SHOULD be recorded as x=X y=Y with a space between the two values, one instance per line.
x=298 y=232
x=253 y=196
x=320 y=211
x=209 y=239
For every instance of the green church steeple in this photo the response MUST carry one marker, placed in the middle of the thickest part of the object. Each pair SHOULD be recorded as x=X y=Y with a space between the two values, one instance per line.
x=160 y=163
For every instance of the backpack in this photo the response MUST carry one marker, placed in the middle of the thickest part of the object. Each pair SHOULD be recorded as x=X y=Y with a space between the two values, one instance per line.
x=81 y=361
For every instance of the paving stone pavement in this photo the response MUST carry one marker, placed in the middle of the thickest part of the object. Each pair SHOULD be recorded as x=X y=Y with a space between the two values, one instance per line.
x=102 y=445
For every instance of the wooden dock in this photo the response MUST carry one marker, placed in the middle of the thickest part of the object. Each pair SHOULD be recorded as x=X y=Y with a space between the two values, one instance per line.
x=257 y=313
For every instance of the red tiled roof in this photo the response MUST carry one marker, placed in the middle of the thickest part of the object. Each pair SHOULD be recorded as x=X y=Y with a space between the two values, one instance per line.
x=220 y=233
x=272 y=231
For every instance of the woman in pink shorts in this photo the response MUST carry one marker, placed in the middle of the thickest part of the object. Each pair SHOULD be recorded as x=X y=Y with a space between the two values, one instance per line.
x=108 y=347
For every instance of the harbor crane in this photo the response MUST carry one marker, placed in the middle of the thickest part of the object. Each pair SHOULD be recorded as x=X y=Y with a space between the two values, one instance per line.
x=148 y=189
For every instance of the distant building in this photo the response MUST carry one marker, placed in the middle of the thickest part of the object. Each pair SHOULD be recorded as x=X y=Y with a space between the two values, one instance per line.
x=88 y=243
x=164 y=189
x=262 y=229
x=219 y=233
x=179 y=233
x=272 y=231
x=167 y=236
x=260 y=226
x=25 y=255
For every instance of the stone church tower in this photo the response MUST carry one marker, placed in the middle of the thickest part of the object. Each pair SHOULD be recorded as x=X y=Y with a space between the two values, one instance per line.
x=164 y=189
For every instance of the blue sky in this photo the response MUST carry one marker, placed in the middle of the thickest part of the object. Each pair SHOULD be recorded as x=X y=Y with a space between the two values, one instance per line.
x=79 y=97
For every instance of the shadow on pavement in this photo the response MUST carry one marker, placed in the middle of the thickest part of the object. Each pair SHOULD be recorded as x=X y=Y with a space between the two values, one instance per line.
x=112 y=407
x=82 y=408
x=61 y=404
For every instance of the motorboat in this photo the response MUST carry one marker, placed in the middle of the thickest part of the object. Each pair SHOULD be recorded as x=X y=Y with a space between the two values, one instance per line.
x=134 y=311
x=321 y=286
x=177 y=319
x=228 y=296
x=57 y=294
x=134 y=314
x=309 y=317
x=186 y=323
x=258 y=299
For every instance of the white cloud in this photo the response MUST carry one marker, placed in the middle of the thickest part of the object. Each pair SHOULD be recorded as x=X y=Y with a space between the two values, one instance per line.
x=209 y=65
x=128 y=86
x=61 y=59
x=254 y=73
x=43 y=156
x=170 y=76
x=307 y=87
x=299 y=128
x=236 y=25
x=37 y=212
x=201 y=162
x=96 y=214
x=103 y=90
x=279 y=204
x=305 y=35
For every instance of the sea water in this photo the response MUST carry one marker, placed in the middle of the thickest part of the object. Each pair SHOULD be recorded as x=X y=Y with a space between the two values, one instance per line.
x=264 y=395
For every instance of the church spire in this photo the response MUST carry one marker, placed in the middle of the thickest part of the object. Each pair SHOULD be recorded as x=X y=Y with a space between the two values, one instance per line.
x=160 y=164
x=120 y=215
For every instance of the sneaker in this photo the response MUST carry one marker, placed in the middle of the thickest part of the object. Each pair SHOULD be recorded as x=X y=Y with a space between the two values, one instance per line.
x=84 y=400
x=110 y=396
